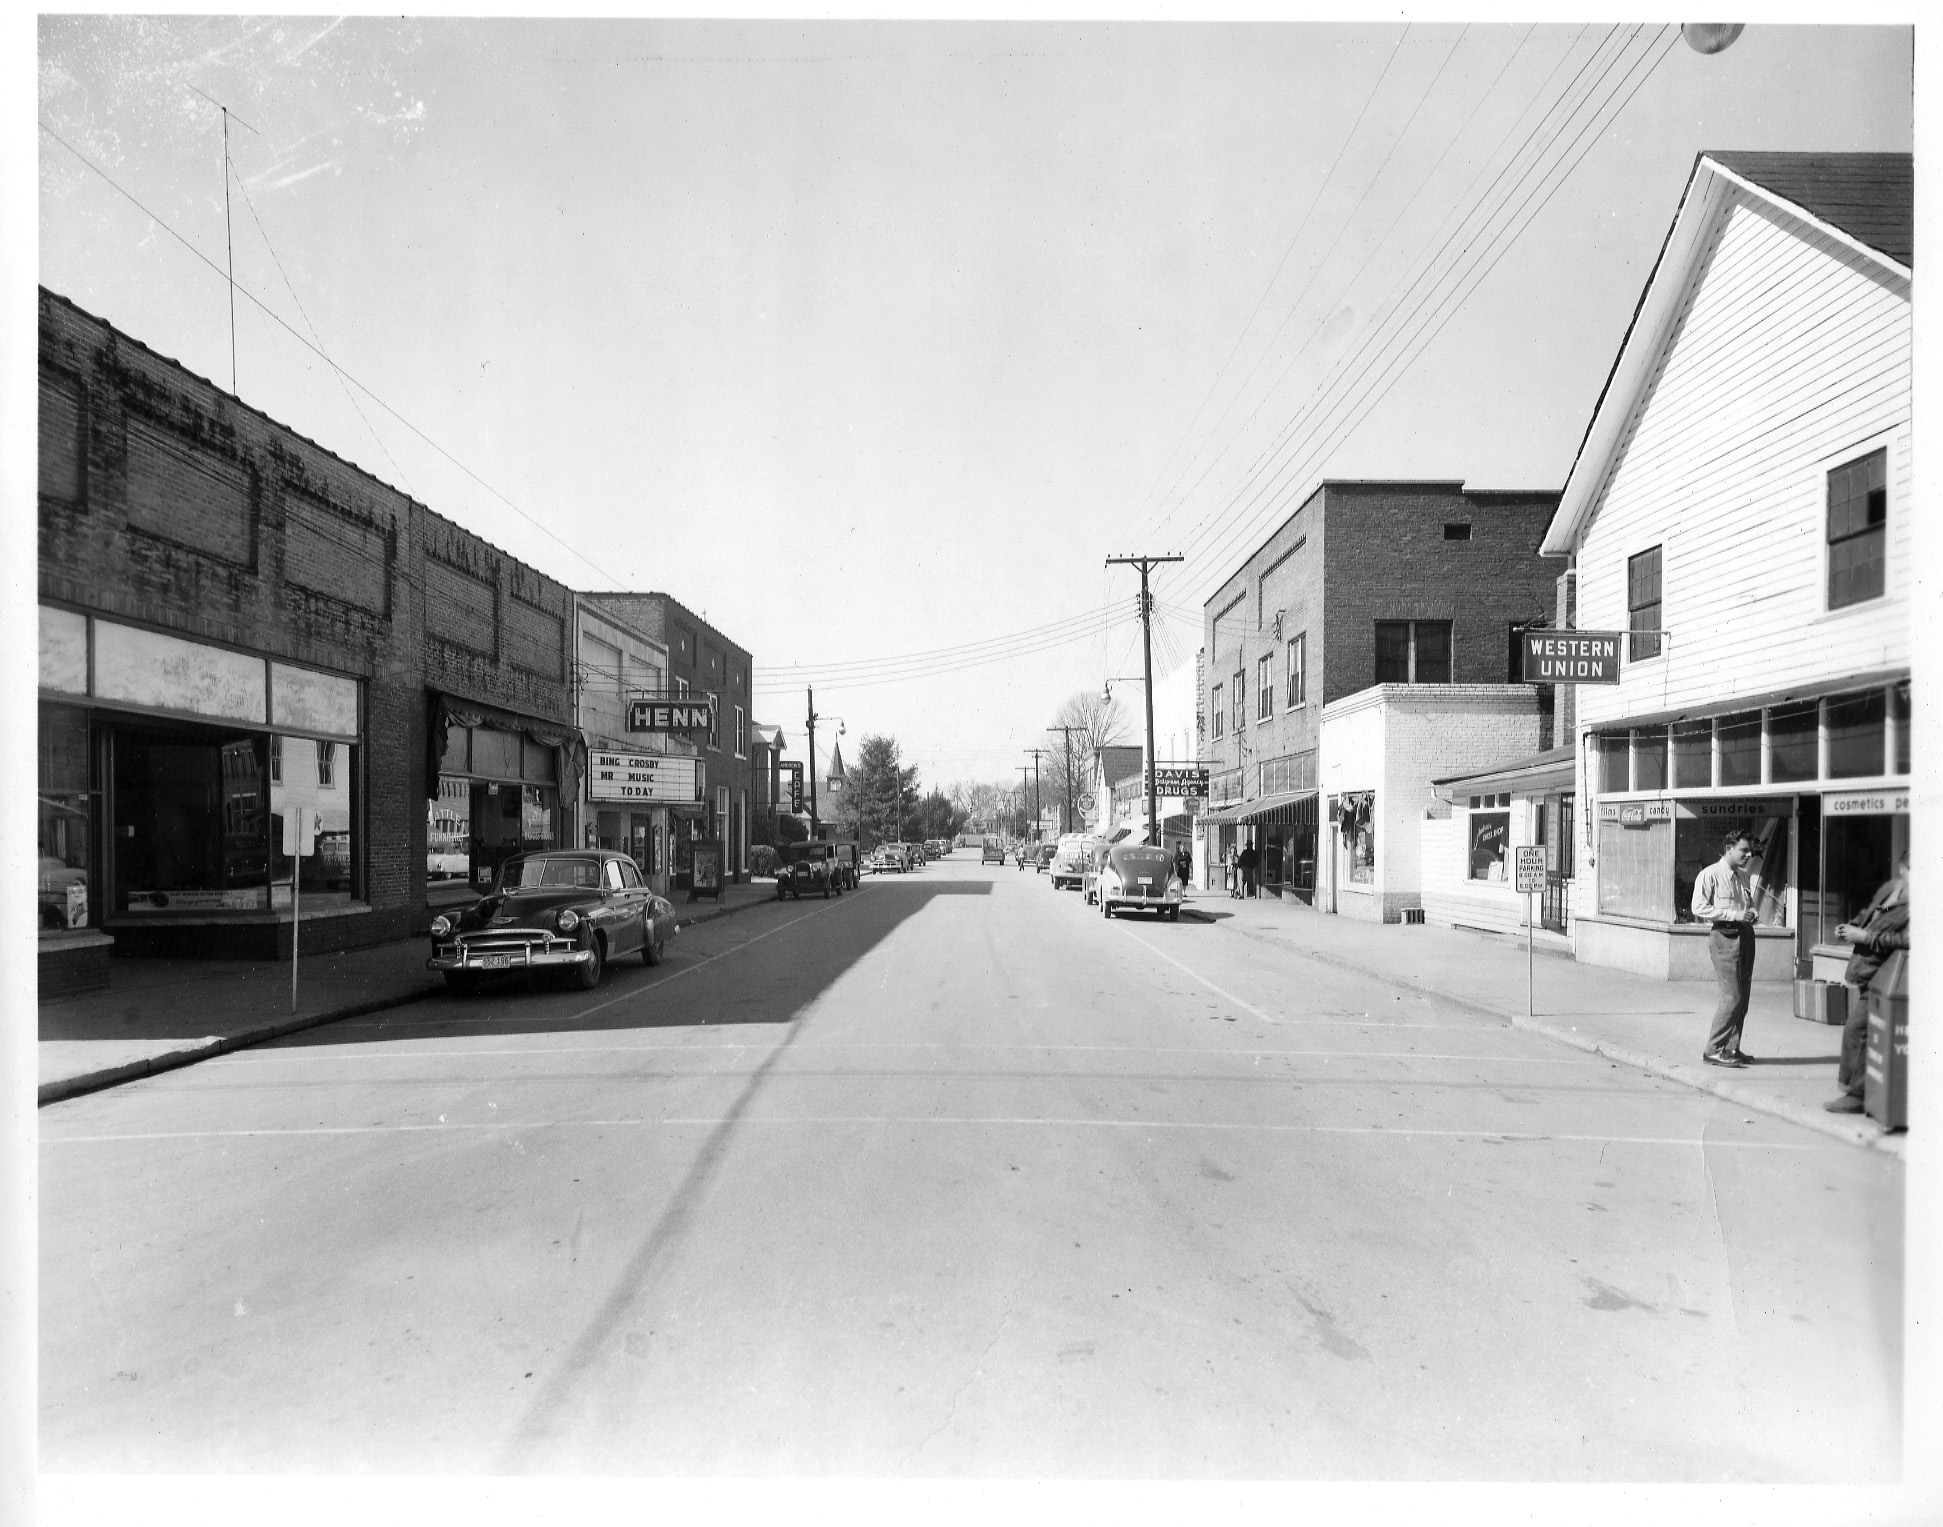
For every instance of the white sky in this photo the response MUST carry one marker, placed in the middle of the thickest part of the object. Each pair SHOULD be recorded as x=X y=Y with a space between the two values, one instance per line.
x=870 y=339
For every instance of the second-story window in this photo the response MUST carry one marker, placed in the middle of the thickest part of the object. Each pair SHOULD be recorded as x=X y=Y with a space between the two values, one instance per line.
x=1239 y=716
x=276 y=759
x=1413 y=652
x=1264 y=688
x=1643 y=604
x=1299 y=670
x=1858 y=529
x=1220 y=713
x=741 y=732
x=326 y=765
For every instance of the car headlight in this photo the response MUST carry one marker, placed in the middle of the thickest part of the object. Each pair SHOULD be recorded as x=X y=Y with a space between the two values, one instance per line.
x=441 y=926
x=566 y=919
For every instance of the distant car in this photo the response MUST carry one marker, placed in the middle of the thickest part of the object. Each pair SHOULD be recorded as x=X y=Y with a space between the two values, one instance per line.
x=915 y=853
x=886 y=857
x=991 y=851
x=567 y=910
x=809 y=869
x=1069 y=859
x=1044 y=854
x=1133 y=875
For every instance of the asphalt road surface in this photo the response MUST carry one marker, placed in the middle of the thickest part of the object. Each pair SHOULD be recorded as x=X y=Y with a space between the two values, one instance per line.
x=950 y=1177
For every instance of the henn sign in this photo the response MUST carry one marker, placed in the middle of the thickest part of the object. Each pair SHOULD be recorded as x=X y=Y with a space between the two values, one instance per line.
x=1572 y=657
x=687 y=716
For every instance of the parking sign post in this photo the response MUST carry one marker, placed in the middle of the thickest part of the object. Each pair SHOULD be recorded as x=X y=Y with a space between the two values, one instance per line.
x=1531 y=883
x=300 y=825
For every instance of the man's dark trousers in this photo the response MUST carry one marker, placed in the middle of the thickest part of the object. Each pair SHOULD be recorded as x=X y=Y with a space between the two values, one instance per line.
x=1731 y=947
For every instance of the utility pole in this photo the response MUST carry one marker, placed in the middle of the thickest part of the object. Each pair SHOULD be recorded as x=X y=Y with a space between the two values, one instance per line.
x=229 y=244
x=1066 y=807
x=1147 y=658
x=811 y=724
x=1023 y=771
x=1035 y=752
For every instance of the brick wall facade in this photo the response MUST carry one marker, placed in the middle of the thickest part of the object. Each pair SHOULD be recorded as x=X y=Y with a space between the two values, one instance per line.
x=167 y=503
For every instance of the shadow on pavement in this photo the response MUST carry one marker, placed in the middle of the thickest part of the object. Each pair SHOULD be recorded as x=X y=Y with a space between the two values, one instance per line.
x=775 y=974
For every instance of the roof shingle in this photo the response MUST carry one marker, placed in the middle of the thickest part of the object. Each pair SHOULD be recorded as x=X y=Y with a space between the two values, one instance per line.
x=1870 y=197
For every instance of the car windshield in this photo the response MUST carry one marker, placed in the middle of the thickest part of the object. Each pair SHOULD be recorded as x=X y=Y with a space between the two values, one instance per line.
x=525 y=874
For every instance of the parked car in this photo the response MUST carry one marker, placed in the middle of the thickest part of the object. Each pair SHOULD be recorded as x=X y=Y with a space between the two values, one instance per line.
x=809 y=869
x=567 y=910
x=1134 y=875
x=1069 y=859
x=991 y=851
x=1043 y=855
x=886 y=857
x=1092 y=863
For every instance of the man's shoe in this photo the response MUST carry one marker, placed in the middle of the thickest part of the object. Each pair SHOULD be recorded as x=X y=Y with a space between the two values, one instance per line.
x=1740 y=1054
x=1848 y=1102
x=1724 y=1058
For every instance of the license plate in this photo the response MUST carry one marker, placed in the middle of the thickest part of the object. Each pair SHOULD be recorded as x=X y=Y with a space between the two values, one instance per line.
x=1146 y=880
x=496 y=961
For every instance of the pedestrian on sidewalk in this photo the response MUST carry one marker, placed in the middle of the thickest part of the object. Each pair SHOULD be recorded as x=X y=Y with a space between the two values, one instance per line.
x=1882 y=928
x=1184 y=866
x=1724 y=897
x=1231 y=873
x=1249 y=860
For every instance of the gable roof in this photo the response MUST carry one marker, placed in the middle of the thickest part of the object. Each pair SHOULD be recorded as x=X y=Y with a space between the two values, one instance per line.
x=1120 y=761
x=1864 y=201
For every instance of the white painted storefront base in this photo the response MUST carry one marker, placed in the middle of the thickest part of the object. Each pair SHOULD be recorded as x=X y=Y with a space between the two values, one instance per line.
x=1673 y=951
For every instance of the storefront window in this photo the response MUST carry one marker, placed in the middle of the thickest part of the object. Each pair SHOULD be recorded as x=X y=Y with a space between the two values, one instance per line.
x=1359 y=835
x=1859 y=855
x=1649 y=759
x=1613 y=771
x=1693 y=755
x=1856 y=727
x=1740 y=749
x=1793 y=746
x=1490 y=837
x=314 y=774
x=1698 y=831
x=448 y=831
x=1635 y=865
x=65 y=813
x=192 y=821
x=1901 y=698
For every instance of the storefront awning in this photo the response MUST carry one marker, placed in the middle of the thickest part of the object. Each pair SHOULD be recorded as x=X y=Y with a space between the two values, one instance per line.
x=1264 y=810
x=1534 y=775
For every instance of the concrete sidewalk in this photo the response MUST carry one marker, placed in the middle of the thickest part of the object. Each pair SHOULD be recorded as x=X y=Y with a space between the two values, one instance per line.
x=160 y=1014
x=1658 y=1026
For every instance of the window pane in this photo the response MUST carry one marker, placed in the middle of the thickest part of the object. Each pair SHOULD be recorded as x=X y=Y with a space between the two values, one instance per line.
x=1902 y=728
x=1433 y=652
x=1740 y=749
x=1858 y=495
x=1792 y=741
x=1490 y=833
x=1649 y=759
x=1856 y=726
x=1645 y=639
x=1612 y=763
x=1693 y=755
x=1393 y=652
x=64 y=817
x=1855 y=568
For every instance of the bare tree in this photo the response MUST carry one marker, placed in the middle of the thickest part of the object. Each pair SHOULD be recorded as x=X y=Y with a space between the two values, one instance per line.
x=1096 y=721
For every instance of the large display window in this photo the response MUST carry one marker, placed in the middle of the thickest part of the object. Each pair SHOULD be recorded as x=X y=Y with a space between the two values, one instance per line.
x=66 y=812
x=318 y=774
x=498 y=795
x=191 y=820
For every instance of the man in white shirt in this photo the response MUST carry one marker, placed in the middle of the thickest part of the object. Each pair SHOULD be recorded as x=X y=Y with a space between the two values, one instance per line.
x=1724 y=897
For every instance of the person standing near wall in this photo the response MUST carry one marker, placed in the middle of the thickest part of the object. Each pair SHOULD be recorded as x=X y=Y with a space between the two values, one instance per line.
x=1882 y=927
x=1723 y=896
x=1248 y=860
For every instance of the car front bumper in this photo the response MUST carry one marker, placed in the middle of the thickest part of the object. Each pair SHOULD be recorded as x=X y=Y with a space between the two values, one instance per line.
x=538 y=952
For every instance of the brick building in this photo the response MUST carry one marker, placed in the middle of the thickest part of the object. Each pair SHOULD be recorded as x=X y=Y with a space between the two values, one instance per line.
x=234 y=623
x=701 y=660
x=1366 y=583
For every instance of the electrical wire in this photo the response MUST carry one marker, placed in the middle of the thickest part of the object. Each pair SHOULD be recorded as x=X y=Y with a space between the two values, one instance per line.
x=604 y=570
x=1390 y=367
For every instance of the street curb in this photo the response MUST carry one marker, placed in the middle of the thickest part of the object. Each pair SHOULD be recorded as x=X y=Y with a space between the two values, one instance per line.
x=1833 y=1125
x=153 y=1065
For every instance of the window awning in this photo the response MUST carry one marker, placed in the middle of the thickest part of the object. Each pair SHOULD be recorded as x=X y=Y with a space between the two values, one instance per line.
x=1535 y=775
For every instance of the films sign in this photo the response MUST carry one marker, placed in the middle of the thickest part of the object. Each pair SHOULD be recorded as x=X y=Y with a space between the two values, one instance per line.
x=1571 y=657
x=649 y=777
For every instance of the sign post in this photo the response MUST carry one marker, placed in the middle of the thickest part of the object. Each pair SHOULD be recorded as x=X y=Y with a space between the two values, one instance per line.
x=1531 y=883
x=300 y=824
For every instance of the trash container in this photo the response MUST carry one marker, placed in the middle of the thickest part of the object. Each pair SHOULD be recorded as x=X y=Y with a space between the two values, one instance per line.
x=1885 y=1066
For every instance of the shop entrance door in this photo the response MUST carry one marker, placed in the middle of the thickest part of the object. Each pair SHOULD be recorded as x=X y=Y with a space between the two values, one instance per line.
x=637 y=844
x=1558 y=871
x=495 y=829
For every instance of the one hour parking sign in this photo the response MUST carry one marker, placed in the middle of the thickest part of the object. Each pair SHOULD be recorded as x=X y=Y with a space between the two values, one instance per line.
x=1530 y=867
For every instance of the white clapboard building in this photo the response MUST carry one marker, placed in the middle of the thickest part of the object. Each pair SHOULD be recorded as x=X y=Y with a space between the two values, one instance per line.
x=1741 y=507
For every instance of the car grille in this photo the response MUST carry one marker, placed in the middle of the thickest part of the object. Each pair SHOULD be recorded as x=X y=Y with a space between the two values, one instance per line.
x=518 y=941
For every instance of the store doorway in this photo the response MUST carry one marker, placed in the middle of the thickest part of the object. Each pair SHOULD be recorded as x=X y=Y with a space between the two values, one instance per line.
x=495 y=829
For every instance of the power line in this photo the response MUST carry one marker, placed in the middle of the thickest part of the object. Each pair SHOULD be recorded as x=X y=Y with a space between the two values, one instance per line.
x=605 y=571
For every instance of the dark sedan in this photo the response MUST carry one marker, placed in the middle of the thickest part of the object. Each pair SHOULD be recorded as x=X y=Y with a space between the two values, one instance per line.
x=567 y=910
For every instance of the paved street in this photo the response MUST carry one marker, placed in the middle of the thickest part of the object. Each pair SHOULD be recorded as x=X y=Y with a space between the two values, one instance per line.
x=951 y=1177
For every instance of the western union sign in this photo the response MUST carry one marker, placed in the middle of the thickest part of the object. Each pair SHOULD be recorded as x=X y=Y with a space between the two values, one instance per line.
x=684 y=716
x=1572 y=657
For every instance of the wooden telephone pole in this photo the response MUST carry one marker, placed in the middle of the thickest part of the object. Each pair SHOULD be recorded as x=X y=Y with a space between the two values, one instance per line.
x=1147 y=660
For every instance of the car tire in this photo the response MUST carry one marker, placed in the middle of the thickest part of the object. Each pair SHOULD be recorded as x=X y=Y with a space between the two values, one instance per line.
x=589 y=974
x=1106 y=909
x=461 y=983
x=826 y=890
x=650 y=950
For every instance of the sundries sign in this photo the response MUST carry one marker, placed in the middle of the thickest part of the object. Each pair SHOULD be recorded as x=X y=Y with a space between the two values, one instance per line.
x=1572 y=657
